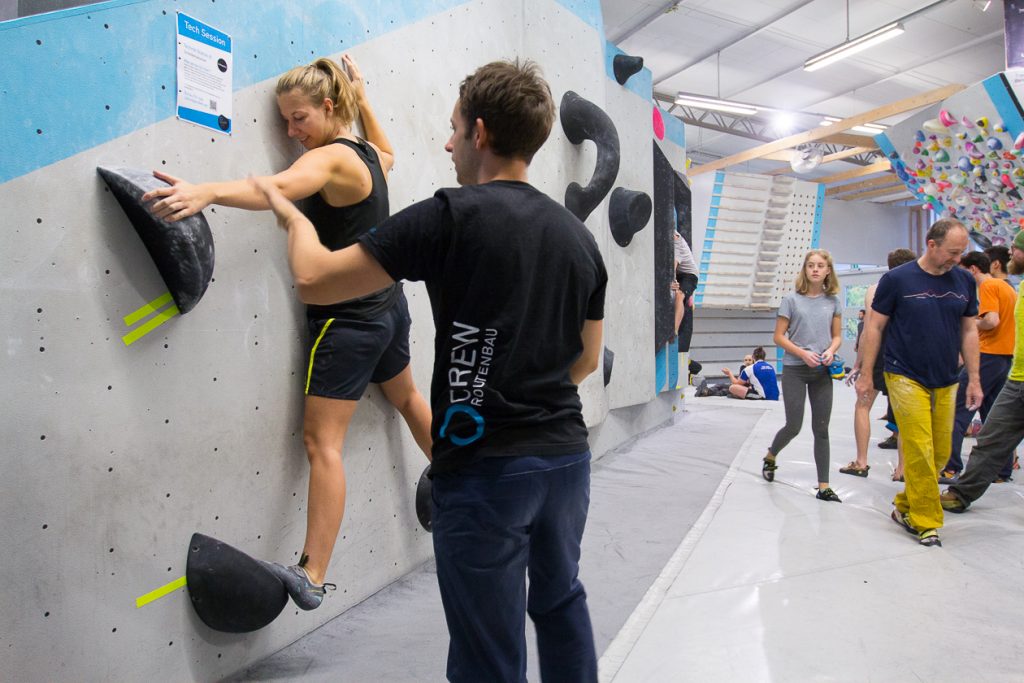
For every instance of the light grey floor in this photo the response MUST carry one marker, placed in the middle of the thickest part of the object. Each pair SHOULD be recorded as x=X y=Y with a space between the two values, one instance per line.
x=778 y=586
x=644 y=500
x=698 y=570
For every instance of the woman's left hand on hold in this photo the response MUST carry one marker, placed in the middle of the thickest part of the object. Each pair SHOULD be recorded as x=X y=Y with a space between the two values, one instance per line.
x=355 y=76
x=180 y=200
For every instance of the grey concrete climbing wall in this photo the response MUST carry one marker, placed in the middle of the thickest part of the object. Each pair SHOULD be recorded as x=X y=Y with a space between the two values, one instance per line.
x=115 y=453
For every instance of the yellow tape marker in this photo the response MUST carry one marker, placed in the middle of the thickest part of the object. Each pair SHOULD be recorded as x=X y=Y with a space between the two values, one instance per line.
x=159 y=592
x=150 y=325
x=152 y=307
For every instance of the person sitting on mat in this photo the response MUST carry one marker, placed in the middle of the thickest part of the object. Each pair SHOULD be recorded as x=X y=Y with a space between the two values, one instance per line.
x=756 y=381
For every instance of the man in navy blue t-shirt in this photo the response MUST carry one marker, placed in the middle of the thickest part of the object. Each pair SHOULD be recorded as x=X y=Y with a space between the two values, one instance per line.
x=927 y=309
x=516 y=286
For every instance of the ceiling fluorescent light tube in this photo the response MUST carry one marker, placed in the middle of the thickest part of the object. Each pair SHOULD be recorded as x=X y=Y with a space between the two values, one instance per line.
x=715 y=104
x=854 y=46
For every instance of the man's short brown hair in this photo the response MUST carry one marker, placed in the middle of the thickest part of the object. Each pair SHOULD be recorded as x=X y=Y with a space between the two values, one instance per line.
x=515 y=104
x=941 y=228
x=897 y=257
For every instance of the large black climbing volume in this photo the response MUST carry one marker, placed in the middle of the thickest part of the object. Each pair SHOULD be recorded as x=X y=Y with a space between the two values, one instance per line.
x=182 y=251
x=584 y=120
x=229 y=590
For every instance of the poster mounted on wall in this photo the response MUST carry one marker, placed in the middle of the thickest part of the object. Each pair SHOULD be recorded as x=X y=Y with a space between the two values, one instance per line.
x=204 y=74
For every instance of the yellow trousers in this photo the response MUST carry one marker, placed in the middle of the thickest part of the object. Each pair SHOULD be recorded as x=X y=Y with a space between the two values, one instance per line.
x=925 y=418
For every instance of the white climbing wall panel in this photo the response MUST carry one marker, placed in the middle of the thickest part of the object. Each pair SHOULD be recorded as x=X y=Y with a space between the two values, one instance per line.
x=759 y=228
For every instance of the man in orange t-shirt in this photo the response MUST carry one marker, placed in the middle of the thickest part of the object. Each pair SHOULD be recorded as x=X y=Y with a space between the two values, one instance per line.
x=996 y=336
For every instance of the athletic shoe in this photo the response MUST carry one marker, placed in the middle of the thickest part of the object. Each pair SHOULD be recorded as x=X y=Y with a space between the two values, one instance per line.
x=304 y=593
x=853 y=469
x=829 y=495
x=928 y=537
x=903 y=519
x=888 y=444
x=1002 y=480
x=768 y=468
x=951 y=503
x=948 y=477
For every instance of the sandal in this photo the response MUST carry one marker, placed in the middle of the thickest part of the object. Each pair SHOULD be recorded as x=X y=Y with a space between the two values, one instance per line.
x=768 y=468
x=854 y=470
x=895 y=478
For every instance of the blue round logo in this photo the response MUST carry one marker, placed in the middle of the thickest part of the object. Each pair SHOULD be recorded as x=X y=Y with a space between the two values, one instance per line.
x=471 y=412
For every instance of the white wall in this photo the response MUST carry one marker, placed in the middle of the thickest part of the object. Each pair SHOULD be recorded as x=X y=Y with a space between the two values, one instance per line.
x=863 y=232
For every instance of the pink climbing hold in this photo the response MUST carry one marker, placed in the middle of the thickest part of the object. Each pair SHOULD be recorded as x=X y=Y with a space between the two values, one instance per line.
x=659 y=123
x=946 y=118
x=1018 y=142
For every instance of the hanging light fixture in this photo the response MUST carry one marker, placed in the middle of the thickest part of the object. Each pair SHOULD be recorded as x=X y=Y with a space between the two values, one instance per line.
x=716 y=103
x=868 y=40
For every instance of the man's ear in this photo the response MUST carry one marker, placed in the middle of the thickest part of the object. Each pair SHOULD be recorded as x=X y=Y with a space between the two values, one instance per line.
x=481 y=138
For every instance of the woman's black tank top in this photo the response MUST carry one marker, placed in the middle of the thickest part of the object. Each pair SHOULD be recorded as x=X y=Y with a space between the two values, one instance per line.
x=341 y=226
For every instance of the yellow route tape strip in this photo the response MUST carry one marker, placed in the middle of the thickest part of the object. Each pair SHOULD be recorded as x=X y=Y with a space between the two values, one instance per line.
x=150 y=325
x=152 y=307
x=159 y=592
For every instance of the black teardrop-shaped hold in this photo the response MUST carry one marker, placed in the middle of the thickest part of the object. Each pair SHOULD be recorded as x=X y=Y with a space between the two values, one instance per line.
x=628 y=213
x=182 y=251
x=624 y=66
x=609 y=362
x=981 y=239
x=229 y=590
x=583 y=120
x=423 y=499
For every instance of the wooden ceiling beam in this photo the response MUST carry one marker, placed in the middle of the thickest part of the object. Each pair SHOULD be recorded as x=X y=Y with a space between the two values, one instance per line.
x=821 y=132
x=851 y=140
x=862 y=185
x=845 y=154
x=898 y=199
x=877 y=167
x=880 y=192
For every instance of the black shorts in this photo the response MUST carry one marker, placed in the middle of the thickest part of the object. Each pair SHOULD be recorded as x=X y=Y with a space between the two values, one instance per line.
x=878 y=377
x=345 y=355
x=687 y=282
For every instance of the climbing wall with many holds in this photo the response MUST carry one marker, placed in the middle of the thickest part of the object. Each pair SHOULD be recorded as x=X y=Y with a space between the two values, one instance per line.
x=965 y=156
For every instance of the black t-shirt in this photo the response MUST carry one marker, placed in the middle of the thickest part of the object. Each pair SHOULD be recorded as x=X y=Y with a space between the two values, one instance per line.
x=340 y=226
x=512 y=276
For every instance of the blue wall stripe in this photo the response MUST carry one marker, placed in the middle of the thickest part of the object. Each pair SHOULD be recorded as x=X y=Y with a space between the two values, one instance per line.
x=640 y=83
x=709 y=237
x=819 y=203
x=87 y=75
x=675 y=129
x=673 y=364
x=660 y=368
x=1005 y=102
x=587 y=10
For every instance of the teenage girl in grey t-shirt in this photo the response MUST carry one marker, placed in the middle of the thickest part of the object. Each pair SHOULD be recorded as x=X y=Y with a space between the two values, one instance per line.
x=808 y=330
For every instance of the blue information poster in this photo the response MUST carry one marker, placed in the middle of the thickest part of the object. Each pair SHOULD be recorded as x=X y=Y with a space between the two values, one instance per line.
x=204 y=74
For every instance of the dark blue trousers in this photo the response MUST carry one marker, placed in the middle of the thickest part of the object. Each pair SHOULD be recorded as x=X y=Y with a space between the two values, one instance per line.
x=992 y=371
x=494 y=523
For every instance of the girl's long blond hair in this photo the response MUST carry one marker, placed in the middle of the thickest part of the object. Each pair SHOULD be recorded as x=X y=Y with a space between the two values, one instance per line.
x=320 y=80
x=831 y=282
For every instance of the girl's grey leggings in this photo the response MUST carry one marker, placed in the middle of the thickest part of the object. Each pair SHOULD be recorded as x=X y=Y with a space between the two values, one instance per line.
x=799 y=381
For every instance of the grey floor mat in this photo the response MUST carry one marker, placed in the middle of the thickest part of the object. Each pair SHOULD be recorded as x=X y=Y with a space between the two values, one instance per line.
x=644 y=499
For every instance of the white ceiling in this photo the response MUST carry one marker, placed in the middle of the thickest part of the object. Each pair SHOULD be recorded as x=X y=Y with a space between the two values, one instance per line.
x=761 y=46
